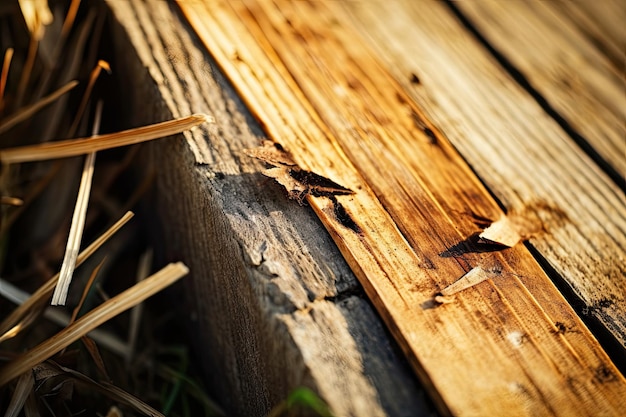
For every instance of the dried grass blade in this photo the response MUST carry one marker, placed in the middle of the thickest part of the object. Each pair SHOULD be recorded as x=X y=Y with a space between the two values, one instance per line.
x=127 y=398
x=17 y=296
x=36 y=14
x=28 y=111
x=111 y=391
x=27 y=68
x=114 y=412
x=95 y=73
x=31 y=408
x=78 y=222
x=89 y=343
x=74 y=147
x=83 y=297
x=23 y=389
x=46 y=289
x=26 y=320
x=4 y=75
x=76 y=233
x=70 y=17
x=143 y=270
x=96 y=317
x=94 y=352
x=29 y=317
x=11 y=201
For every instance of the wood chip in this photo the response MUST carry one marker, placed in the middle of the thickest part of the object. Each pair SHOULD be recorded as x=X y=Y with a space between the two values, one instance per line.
x=475 y=276
x=503 y=232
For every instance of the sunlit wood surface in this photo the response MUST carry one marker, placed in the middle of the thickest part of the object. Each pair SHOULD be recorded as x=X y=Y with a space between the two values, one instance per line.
x=399 y=102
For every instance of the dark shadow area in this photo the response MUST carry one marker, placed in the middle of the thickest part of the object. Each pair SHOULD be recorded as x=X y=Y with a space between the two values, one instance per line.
x=472 y=244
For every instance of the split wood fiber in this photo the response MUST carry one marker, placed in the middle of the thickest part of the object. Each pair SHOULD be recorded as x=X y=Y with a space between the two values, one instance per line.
x=319 y=91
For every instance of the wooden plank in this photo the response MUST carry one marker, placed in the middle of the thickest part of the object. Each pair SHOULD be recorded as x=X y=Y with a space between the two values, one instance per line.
x=320 y=93
x=563 y=65
x=272 y=302
x=515 y=147
x=602 y=23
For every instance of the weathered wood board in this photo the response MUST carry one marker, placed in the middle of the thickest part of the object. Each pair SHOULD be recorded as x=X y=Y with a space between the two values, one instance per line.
x=275 y=305
x=602 y=23
x=373 y=95
x=320 y=92
x=515 y=147
x=576 y=77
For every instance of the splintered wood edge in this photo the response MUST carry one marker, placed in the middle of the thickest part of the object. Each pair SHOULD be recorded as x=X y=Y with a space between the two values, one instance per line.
x=501 y=232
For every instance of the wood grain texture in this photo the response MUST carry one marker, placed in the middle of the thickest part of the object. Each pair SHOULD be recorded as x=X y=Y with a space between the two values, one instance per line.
x=563 y=64
x=318 y=90
x=519 y=152
x=276 y=306
x=602 y=23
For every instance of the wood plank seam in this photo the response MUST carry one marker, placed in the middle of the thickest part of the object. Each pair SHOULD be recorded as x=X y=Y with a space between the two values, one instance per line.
x=518 y=75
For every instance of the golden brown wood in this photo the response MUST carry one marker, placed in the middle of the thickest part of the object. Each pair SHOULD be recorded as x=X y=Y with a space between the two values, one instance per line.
x=320 y=92
x=520 y=153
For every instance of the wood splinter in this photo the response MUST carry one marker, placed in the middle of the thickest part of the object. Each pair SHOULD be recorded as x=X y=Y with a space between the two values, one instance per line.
x=475 y=276
x=503 y=232
x=520 y=225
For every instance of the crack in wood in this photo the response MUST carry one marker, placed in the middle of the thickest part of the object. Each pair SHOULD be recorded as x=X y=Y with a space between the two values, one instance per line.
x=298 y=182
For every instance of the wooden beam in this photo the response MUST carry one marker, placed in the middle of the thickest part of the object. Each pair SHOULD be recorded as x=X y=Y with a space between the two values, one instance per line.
x=272 y=304
x=319 y=91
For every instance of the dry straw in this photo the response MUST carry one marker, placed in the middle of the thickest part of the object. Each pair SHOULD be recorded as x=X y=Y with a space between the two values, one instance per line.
x=42 y=294
x=78 y=223
x=96 y=317
x=82 y=146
